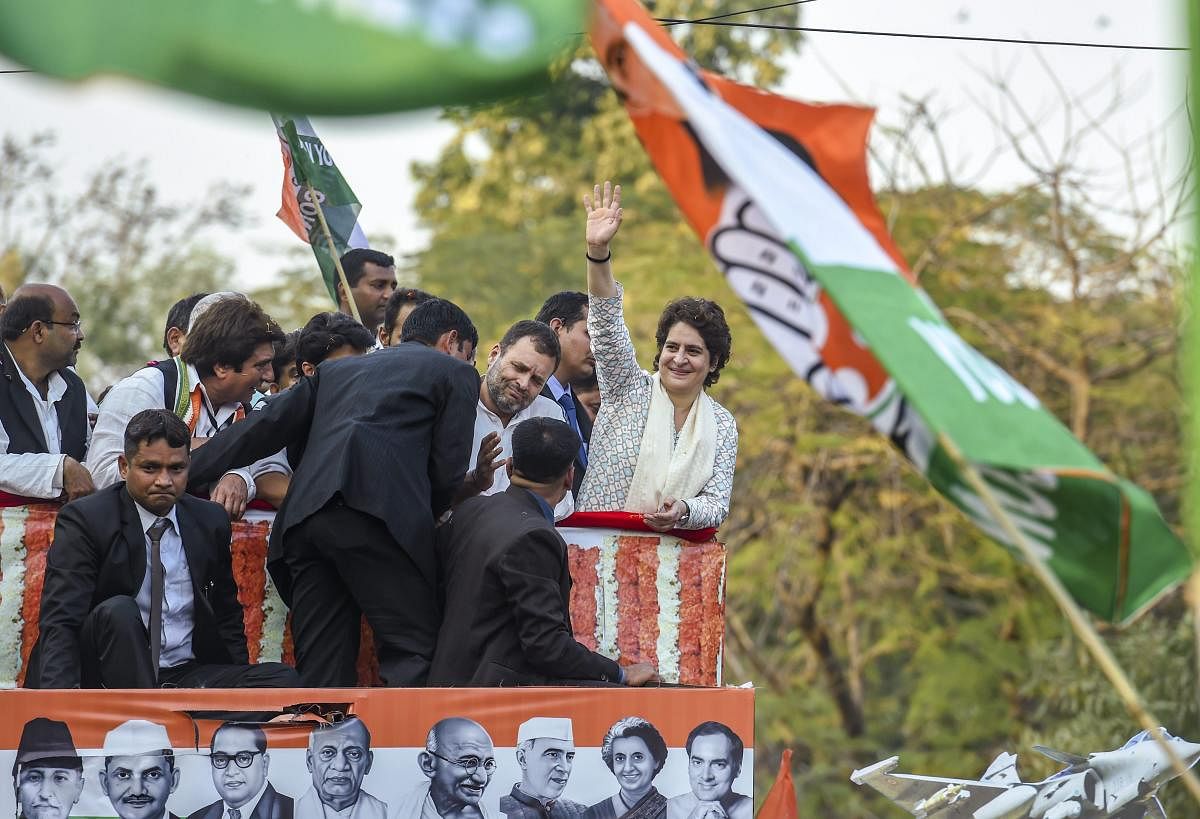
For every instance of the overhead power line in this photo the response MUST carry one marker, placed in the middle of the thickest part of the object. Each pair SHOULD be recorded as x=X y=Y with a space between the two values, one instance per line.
x=676 y=22
x=710 y=21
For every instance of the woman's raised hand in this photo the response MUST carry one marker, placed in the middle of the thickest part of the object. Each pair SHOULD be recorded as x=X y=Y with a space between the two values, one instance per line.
x=603 y=217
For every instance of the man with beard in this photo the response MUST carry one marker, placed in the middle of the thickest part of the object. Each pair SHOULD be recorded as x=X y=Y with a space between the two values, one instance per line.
x=518 y=368
x=545 y=752
x=47 y=771
x=714 y=761
x=44 y=427
x=339 y=757
x=239 y=759
x=459 y=761
x=139 y=771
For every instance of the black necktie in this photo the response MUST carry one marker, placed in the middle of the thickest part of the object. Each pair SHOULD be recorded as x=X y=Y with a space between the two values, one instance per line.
x=234 y=813
x=157 y=578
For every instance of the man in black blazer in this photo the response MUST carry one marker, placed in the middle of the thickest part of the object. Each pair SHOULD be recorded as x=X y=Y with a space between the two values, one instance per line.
x=239 y=761
x=567 y=314
x=140 y=560
x=508 y=587
x=386 y=439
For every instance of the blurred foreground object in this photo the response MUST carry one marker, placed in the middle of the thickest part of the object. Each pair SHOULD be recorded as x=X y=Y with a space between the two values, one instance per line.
x=316 y=56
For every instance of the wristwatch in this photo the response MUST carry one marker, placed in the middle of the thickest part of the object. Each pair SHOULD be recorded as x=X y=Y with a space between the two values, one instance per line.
x=687 y=513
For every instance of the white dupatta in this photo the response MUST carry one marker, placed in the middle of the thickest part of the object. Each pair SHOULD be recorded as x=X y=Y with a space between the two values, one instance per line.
x=670 y=469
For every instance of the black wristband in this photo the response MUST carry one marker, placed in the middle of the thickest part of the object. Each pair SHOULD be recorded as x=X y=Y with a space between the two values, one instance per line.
x=598 y=261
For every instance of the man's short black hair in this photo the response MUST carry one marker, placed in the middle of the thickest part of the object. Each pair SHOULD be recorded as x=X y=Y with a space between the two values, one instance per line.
x=180 y=315
x=326 y=332
x=543 y=449
x=228 y=334
x=22 y=312
x=353 y=261
x=153 y=425
x=544 y=339
x=736 y=747
x=403 y=296
x=260 y=736
x=285 y=353
x=435 y=317
x=568 y=306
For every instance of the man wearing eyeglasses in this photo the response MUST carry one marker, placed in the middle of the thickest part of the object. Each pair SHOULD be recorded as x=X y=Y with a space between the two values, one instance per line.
x=459 y=761
x=44 y=426
x=339 y=757
x=239 y=759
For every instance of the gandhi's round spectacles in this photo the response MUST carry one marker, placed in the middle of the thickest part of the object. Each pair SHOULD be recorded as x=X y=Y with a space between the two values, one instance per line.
x=470 y=764
x=242 y=759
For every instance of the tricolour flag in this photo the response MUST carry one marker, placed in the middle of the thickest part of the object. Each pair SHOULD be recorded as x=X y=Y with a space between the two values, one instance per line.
x=305 y=160
x=778 y=191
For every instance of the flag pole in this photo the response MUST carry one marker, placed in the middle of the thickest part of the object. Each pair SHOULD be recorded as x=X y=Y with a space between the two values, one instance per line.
x=1075 y=616
x=337 y=261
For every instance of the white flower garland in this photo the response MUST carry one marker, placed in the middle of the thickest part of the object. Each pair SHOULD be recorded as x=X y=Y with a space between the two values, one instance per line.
x=606 y=614
x=12 y=588
x=667 y=581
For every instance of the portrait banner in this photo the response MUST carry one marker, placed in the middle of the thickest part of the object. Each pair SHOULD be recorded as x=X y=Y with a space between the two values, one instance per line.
x=778 y=191
x=378 y=753
x=635 y=597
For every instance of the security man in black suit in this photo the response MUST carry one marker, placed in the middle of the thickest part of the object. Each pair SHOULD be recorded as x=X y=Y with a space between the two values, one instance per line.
x=386 y=439
x=508 y=586
x=567 y=313
x=139 y=589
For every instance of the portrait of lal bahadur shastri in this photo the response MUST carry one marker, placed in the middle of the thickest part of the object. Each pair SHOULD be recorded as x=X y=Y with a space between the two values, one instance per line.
x=48 y=772
x=139 y=772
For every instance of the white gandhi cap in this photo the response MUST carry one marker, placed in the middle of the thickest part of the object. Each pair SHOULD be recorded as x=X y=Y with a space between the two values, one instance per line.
x=136 y=737
x=558 y=728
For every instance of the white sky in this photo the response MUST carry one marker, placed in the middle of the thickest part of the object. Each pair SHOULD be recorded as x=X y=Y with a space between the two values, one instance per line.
x=190 y=143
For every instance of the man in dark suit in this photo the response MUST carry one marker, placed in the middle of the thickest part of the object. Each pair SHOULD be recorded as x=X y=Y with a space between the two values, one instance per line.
x=567 y=314
x=508 y=587
x=43 y=404
x=239 y=759
x=386 y=438
x=139 y=589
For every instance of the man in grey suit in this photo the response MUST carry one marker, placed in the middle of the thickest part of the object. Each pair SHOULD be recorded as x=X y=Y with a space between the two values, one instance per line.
x=239 y=759
x=386 y=439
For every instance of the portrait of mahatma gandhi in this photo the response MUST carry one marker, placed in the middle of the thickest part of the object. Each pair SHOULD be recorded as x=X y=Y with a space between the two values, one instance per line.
x=48 y=772
x=459 y=762
x=139 y=772
x=339 y=757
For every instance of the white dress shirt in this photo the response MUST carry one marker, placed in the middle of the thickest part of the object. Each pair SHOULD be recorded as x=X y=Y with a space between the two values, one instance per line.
x=178 y=615
x=246 y=810
x=487 y=421
x=36 y=474
x=144 y=390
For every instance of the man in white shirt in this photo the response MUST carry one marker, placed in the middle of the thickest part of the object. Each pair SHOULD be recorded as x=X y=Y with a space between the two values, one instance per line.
x=228 y=353
x=518 y=367
x=139 y=589
x=44 y=426
x=339 y=757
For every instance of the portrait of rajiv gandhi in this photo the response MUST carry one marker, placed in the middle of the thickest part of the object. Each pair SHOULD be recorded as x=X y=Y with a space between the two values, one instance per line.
x=48 y=772
x=458 y=760
x=714 y=761
x=139 y=771
x=339 y=757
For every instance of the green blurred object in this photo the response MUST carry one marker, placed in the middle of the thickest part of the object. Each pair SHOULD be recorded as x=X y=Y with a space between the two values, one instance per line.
x=1192 y=359
x=317 y=56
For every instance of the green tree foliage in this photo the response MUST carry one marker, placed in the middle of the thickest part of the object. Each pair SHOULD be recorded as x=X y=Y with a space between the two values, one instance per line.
x=873 y=618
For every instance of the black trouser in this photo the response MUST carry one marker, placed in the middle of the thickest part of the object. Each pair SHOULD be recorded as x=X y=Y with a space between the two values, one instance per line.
x=345 y=564
x=115 y=653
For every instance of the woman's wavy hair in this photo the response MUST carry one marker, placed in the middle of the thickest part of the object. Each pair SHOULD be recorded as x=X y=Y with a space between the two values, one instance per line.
x=643 y=730
x=708 y=319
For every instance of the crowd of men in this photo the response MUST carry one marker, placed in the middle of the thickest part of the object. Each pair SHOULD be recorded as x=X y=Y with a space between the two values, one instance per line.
x=406 y=485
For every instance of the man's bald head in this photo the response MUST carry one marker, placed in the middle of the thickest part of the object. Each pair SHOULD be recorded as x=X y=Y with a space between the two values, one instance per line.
x=459 y=760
